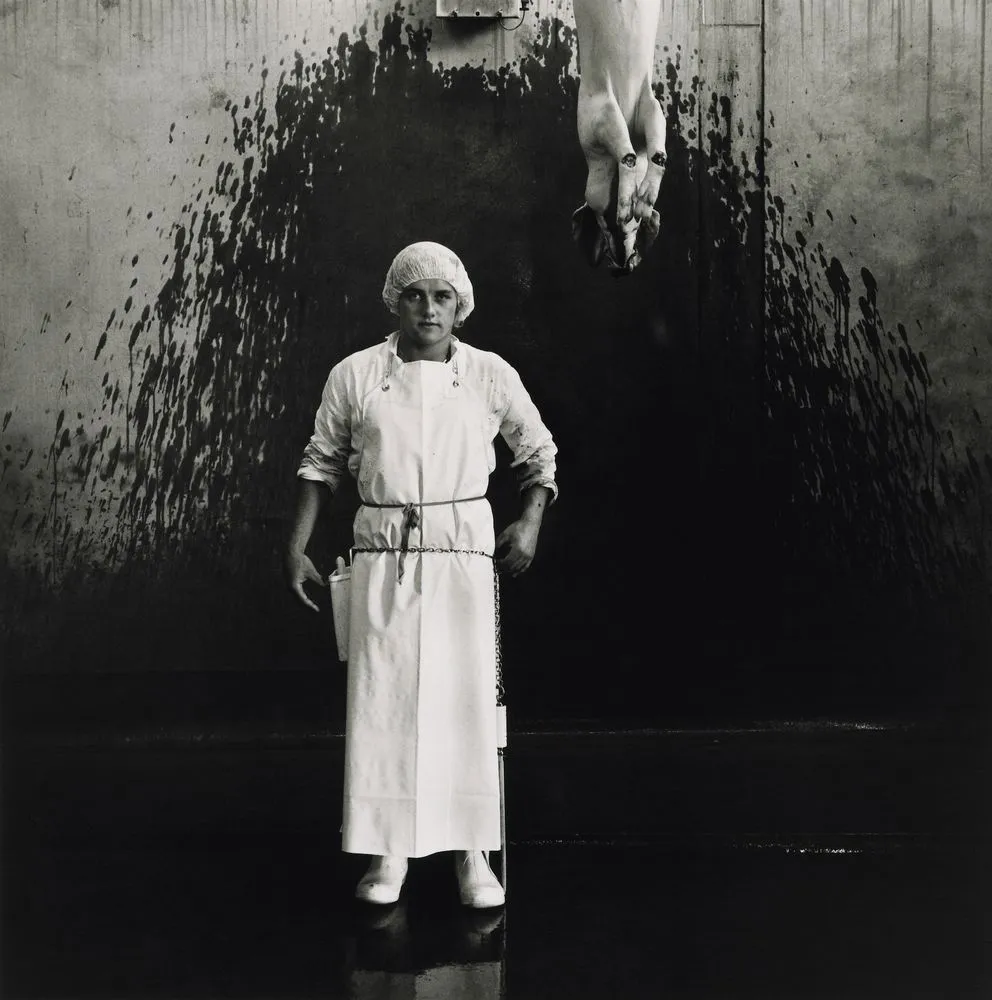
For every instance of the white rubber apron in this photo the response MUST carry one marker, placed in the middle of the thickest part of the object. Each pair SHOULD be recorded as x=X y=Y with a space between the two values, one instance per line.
x=421 y=771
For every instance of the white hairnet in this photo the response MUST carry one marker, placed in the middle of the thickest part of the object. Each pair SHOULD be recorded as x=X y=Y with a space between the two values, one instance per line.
x=424 y=261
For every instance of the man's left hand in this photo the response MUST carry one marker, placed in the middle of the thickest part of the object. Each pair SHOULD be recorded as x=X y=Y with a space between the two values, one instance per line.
x=516 y=545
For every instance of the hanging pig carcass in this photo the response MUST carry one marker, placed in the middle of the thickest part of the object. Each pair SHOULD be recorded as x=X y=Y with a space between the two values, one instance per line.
x=621 y=130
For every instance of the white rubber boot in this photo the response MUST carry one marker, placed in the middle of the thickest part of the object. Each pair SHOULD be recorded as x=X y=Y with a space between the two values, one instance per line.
x=478 y=887
x=383 y=881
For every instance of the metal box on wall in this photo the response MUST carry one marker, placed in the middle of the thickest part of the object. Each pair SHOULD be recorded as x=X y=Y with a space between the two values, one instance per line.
x=478 y=8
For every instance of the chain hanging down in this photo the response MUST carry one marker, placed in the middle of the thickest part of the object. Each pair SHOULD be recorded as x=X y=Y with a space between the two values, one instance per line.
x=500 y=690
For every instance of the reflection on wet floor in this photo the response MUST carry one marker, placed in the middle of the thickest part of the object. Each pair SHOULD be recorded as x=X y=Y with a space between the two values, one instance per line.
x=276 y=920
x=455 y=955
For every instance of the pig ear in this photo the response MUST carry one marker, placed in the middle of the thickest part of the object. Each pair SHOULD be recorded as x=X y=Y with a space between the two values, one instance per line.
x=593 y=239
x=648 y=231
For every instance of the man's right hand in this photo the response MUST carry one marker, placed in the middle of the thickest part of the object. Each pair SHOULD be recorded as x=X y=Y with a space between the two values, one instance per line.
x=300 y=570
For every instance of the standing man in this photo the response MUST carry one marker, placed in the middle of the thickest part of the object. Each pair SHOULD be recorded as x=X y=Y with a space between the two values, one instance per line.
x=414 y=420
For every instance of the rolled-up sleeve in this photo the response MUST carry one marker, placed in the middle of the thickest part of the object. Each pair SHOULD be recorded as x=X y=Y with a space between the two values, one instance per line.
x=325 y=458
x=528 y=438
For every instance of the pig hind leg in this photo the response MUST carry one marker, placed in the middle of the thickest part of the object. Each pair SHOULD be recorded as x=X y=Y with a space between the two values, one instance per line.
x=606 y=142
x=651 y=121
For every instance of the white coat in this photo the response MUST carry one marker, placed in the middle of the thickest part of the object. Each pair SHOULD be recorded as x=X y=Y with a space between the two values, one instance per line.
x=421 y=771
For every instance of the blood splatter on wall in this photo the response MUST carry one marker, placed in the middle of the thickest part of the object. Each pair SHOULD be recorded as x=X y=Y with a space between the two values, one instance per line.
x=773 y=460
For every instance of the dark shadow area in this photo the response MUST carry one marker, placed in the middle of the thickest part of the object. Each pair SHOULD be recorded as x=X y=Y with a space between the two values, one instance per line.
x=822 y=784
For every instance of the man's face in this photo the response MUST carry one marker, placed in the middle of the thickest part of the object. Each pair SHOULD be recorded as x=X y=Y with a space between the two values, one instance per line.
x=427 y=311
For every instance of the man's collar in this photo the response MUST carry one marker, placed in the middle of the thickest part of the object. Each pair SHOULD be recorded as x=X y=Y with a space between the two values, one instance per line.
x=393 y=341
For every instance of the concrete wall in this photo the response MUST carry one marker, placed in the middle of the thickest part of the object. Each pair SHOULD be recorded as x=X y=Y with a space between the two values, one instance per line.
x=777 y=494
x=113 y=115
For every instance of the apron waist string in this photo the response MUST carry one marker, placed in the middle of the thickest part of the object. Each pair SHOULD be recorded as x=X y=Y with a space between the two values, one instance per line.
x=411 y=519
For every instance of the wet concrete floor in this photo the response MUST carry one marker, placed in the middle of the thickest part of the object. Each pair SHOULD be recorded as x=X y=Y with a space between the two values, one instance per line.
x=273 y=918
x=791 y=861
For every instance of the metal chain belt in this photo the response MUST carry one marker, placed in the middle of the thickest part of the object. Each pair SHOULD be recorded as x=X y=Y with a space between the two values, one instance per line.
x=500 y=690
x=425 y=548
